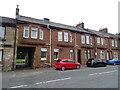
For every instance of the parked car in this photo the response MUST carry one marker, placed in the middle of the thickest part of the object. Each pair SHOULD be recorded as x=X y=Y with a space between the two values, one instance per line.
x=95 y=62
x=64 y=64
x=113 y=61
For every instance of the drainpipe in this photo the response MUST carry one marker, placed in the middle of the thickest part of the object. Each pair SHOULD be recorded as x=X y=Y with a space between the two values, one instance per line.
x=75 y=48
x=48 y=27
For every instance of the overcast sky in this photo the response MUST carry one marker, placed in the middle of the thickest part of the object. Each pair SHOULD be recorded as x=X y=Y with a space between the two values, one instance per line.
x=95 y=14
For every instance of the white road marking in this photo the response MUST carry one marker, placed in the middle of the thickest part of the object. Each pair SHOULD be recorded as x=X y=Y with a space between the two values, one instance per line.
x=53 y=81
x=102 y=73
x=19 y=86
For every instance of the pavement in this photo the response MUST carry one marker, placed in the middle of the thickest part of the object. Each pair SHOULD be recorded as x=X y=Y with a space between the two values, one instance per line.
x=28 y=72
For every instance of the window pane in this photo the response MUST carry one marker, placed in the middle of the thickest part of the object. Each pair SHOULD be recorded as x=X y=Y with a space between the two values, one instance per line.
x=59 y=36
x=43 y=55
x=66 y=36
x=55 y=55
x=34 y=32
x=87 y=39
x=2 y=32
x=41 y=33
x=26 y=31
x=0 y=56
x=98 y=41
x=71 y=54
x=83 y=39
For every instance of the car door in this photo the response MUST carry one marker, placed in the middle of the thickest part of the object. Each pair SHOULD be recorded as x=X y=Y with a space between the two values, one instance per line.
x=72 y=64
x=66 y=63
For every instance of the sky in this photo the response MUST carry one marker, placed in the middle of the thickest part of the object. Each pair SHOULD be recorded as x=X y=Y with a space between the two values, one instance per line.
x=95 y=14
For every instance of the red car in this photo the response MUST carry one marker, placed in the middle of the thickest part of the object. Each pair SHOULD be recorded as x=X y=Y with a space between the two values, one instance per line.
x=64 y=64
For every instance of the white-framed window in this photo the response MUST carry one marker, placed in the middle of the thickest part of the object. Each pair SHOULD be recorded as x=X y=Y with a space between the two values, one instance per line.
x=87 y=39
x=26 y=32
x=59 y=36
x=87 y=54
x=66 y=36
x=116 y=44
x=116 y=55
x=98 y=41
x=2 y=32
x=71 y=54
x=113 y=43
x=70 y=37
x=34 y=32
x=0 y=56
x=102 y=41
x=102 y=54
x=41 y=33
x=56 y=51
x=43 y=53
x=83 y=39
x=91 y=40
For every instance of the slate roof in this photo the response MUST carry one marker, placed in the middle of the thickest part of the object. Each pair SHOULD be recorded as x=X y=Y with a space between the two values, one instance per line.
x=102 y=34
x=52 y=24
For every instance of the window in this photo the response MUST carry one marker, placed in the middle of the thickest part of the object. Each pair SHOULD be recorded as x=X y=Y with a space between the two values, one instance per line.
x=71 y=54
x=98 y=41
x=59 y=36
x=2 y=32
x=41 y=33
x=102 y=54
x=0 y=56
x=116 y=55
x=116 y=43
x=70 y=37
x=113 y=43
x=26 y=32
x=66 y=36
x=34 y=32
x=87 y=54
x=56 y=53
x=87 y=40
x=43 y=53
x=102 y=41
x=83 y=39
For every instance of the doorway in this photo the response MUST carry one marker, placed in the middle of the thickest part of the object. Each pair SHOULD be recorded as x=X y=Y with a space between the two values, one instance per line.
x=79 y=56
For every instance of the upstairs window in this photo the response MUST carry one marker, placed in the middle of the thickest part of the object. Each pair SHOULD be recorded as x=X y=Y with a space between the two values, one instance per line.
x=113 y=43
x=59 y=36
x=116 y=44
x=66 y=36
x=56 y=54
x=26 y=32
x=41 y=33
x=91 y=40
x=70 y=37
x=87 y=39
x=83 y=39
x=2 y=32
x=102 y=41
x=102 y=54
x=34 y=32
x=98 y=41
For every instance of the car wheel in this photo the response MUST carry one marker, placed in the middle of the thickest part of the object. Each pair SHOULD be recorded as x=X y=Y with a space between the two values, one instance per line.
x=63 y=68
x=78 y=67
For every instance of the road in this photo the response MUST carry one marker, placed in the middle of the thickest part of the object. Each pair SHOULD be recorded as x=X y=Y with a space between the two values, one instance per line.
x=99 y=77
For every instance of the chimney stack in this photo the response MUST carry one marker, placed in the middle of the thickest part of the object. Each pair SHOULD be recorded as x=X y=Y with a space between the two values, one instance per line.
x=17 y=10
x=105 y=30
x=46 y=19
x=80 y=25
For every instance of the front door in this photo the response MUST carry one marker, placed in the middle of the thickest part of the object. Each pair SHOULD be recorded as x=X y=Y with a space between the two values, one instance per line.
x=79 y=56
